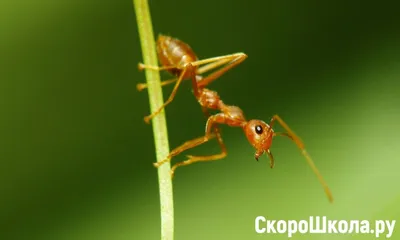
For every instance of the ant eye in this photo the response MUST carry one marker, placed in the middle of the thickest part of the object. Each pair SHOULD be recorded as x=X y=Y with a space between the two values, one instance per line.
x=259 y=129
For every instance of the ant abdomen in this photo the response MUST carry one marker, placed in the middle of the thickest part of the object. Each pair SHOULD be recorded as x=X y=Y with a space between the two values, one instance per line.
x=174 y=52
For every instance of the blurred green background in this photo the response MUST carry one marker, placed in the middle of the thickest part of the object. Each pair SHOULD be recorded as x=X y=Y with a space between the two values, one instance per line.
x=76 y=157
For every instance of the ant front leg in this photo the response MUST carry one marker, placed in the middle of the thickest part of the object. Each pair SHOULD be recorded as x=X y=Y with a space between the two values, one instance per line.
x=188 y=68
x=212 y=120
x=196 y=142
x=290 y=134
x=185 y=146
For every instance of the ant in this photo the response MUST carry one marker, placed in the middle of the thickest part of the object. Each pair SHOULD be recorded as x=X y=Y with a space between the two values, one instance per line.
x=179 y=59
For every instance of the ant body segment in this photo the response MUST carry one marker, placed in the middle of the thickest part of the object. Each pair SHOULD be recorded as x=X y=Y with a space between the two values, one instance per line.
x=179 y=59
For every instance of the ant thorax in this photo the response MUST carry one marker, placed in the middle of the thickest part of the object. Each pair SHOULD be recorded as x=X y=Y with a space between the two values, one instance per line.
x=234 y=113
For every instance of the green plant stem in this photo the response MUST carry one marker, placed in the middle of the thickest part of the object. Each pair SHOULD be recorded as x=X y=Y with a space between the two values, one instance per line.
x=159 y=123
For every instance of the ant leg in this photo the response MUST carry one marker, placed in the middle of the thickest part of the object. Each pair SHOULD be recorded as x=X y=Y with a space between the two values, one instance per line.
x=300 y=145
x=192 y=159
x=185 y=146
x=142 y=86
x=196 y=142
x=211 y=63
x=188 y=67
x=231 y=61
x=142 y=66
x=218 y=118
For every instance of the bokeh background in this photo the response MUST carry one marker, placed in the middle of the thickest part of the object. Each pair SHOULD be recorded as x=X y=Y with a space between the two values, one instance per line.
x=76 y=157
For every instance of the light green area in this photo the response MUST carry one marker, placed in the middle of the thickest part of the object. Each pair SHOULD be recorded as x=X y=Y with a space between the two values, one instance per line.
x=75 y=155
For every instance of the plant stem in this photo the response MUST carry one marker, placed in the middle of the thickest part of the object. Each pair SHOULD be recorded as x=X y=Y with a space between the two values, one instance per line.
x=159 y=123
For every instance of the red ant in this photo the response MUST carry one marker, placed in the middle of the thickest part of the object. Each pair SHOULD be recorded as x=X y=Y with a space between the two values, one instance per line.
x=179 y=59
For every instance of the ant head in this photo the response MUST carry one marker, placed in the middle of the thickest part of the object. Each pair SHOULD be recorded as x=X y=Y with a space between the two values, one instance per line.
x=259 y=135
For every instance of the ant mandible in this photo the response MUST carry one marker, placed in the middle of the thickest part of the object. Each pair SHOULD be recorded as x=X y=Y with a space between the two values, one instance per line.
x=179 y=59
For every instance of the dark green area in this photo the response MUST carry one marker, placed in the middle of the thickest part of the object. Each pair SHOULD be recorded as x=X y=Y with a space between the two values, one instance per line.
x=76 y=155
